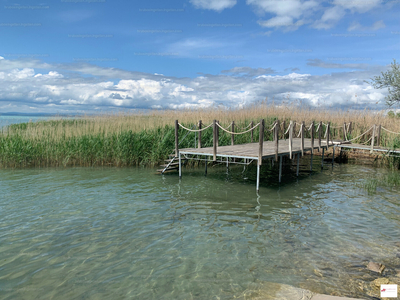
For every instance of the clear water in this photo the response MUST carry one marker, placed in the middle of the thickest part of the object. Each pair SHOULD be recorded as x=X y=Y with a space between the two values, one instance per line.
x=108 y=233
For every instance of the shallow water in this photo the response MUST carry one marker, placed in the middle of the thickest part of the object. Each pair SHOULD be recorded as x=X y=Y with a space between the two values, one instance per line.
x=108 y=233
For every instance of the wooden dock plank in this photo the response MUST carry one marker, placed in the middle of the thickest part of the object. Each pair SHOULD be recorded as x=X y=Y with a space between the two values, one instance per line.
x=251 y=150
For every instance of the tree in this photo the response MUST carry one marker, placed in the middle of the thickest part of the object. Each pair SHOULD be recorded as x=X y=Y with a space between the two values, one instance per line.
x=391 y=80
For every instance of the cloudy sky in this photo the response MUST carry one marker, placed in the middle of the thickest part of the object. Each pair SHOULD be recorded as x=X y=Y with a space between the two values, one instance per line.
x=100 y=55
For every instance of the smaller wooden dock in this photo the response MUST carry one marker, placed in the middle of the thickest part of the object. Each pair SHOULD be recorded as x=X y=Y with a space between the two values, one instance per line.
x=288 y=141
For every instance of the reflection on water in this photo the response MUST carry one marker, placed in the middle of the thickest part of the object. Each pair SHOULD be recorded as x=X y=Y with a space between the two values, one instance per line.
x=95 y=233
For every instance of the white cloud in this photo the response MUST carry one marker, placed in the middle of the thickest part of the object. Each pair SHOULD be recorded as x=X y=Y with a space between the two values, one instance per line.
x=360 y=6
x=61 y=91
x=289 y=14
x=357 y=26
x=330 y=17
x=217 y=5
x=1 y=57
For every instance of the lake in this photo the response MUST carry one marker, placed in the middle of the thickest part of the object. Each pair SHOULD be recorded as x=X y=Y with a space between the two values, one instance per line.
x=126 y=233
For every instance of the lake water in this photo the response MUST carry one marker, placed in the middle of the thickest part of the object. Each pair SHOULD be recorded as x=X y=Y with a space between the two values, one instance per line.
x=109 y=233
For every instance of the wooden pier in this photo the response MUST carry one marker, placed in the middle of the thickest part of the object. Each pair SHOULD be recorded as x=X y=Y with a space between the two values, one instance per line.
x=286 y=142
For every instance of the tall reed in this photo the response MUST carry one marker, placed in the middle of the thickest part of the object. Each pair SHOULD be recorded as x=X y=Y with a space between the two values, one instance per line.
x=146 y=138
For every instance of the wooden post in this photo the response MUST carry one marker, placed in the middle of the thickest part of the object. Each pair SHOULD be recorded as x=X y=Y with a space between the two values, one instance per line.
x=176 y=138
x=319 y=136
x=233 y=136
x=252 y=131
x=283 y=129
x=302 y=137
x=344 y=132
x=258 y=177
x=261 y=142
x=378 y=137
x=322 y=159
x=180 y=166
x=276 y=140
x=291 y=140
x=280 y=168
x=298 y=164
x=312 y=137
x=294 y=128
x=373 y=138
x=350 y=128
x=327 y=135
x=199 y=141
x=217 y=129
x=215 y=140
x=333 y=155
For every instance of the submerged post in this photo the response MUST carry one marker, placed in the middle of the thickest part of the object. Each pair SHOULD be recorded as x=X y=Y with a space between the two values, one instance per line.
x=261 y=142
x=302 y=138
x=258 y=177
x=176 y=138
x=215 y=140
x=276 y=137
x=199 y=141
x=333 y=155
x=180 y=166
x=298 y=164
x=233 y=136
x=373 y=138
x=319 y=136
x=322 y=159
x=291 y=140
x=280 y=168
x=205 y=172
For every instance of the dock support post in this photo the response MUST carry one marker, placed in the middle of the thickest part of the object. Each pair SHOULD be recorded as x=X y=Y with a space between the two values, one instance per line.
x=176 y=138
x=378 y=137
x=180 y=166
x=227 y=164
x=298 y=164
x=199 y=141
x=252 y=131
x=311 y=161
x=205 y=173
x=280 y=168
x=333 y=155
x=258 y=177
x=373 y=139
x=312 y=137
x=344 y=132
x=319 y=136
x=291 y=140
x=215 y=140
x=302 y=138
x=233 y=136
x=283 y=130
x=328 y=128
x=322 y=160
x=276 y=137
x=261 y=142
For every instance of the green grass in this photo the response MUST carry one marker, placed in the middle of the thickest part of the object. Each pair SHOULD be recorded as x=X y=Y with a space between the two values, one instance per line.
x=389 y=180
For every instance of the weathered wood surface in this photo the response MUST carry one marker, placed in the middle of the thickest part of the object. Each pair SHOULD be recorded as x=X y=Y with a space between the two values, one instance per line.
x=251 y=150
x=368 y=147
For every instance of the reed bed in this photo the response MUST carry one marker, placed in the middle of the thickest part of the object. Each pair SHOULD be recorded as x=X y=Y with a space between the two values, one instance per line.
x=146 y=138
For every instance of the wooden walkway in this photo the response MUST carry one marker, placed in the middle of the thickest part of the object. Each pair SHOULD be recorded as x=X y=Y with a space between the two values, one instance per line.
x=295 y=145
x=251 y=150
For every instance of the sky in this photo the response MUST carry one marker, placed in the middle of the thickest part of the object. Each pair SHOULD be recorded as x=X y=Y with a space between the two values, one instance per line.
x=87 y=56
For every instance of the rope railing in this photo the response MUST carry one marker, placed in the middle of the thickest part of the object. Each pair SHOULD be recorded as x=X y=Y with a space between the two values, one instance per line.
x=280 y=132
x=238 y=133
x=390 y=130
x=195 y=130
